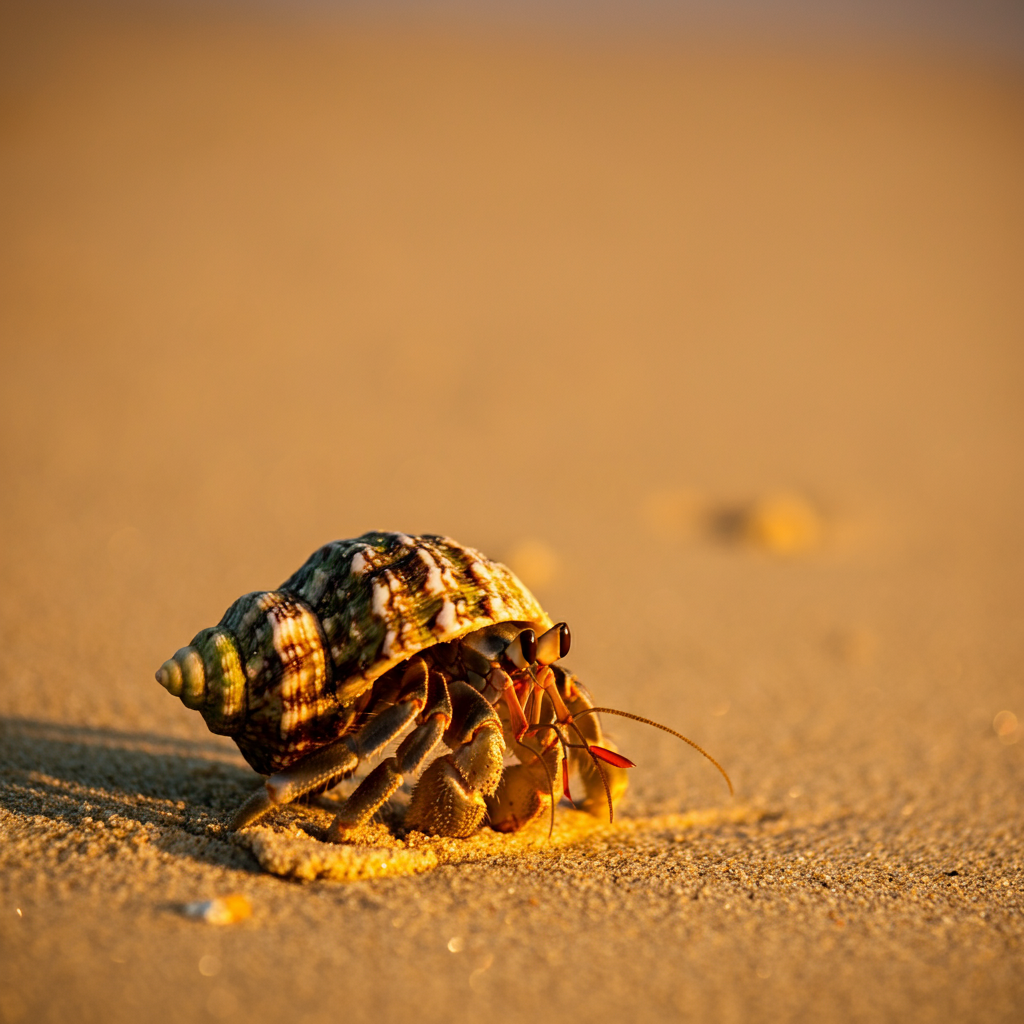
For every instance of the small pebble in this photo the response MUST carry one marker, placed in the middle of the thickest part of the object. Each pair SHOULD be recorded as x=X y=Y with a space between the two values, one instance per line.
x=222 y=910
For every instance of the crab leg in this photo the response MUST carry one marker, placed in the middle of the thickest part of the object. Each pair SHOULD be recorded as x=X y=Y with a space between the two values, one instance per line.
x=526 y=789
x=431 y=694
x=323 y=765
x=602 y=784
x=449 y=798
x=296 y=780
x=342 y=756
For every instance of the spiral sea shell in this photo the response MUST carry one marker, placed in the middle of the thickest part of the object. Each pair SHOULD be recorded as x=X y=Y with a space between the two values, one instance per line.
x=284 y=671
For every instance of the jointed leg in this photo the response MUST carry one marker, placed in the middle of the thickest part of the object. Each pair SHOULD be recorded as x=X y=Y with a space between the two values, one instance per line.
x=303 y=777
x=527 y=789
x=596 y=798
x=341 y=757
x=449 y=798
x=431 y=694
x=548 y=730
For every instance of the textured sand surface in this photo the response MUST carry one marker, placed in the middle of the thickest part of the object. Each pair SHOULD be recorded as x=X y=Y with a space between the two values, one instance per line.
x=721 y=347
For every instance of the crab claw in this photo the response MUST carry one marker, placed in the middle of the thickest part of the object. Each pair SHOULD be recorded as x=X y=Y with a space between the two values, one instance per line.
x=611 y=757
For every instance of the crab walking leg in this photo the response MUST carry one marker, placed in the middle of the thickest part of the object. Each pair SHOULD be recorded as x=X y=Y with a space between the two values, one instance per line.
x=526 y=789
x=382 y=782
x=296 y=780
x=545 y=683
x=342 y=756
x=449 y=798
x=596 y=800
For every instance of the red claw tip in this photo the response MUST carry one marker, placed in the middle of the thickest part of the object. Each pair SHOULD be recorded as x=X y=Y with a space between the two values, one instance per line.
x=565 y=782
x=611 y=757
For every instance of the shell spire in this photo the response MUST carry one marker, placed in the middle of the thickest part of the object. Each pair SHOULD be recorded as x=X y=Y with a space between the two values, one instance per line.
x=209 y=677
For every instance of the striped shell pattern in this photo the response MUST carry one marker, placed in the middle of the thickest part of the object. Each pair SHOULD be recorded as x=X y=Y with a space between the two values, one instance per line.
x=284 y=671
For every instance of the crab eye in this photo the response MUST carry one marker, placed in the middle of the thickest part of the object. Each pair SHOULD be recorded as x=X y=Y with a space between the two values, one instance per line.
x=523 y=649
x=553 y=644
x=564 y=639
x=528 y=645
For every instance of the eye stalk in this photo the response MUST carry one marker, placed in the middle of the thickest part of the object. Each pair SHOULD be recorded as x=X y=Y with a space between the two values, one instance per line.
x=554 y=644
x=522 y=652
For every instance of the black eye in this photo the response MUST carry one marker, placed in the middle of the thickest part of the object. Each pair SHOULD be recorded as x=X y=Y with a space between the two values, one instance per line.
x=553 y=644
x=522 y=651
x=528 y=645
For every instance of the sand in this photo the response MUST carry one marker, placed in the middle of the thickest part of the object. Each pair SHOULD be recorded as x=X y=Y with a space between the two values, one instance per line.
x=718 y=343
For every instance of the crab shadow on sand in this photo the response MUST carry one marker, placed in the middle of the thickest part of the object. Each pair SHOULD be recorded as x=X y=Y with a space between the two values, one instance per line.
x=182 y=791
x=70 y=773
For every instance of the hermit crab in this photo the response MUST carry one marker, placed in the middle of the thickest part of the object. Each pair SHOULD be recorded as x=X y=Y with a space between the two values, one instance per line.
x=385 y=632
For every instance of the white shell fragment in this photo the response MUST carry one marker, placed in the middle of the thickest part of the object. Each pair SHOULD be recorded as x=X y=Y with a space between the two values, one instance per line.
x=221 y=910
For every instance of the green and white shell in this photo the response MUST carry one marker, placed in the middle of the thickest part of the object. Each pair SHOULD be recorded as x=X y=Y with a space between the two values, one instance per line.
x=283 y=669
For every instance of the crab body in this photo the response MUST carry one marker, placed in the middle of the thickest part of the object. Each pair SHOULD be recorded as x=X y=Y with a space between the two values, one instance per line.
x=385 y=632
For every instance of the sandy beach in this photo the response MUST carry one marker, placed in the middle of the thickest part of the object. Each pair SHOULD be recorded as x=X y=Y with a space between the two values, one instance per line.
x=717 y=343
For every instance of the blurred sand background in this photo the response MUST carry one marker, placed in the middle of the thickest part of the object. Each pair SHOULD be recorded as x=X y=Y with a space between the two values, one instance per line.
x=717 y=340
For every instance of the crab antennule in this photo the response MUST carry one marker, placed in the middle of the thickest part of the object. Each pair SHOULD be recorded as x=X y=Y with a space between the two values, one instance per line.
x=538 y=756
x=564 y=717
x=607 y=788
x=600 y=770
x=545 y=680
x=664 y=728
x=551 y=792
x=554 y=694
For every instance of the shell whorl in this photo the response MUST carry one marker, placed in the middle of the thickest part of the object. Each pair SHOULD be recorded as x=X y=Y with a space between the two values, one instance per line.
x=262 y=676
x=383 y=597
x=282 y=671
x=291 y=702
x=209 y=677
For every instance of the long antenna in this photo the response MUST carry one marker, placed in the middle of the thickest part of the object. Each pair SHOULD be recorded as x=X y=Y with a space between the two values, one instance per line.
x=664 y=728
